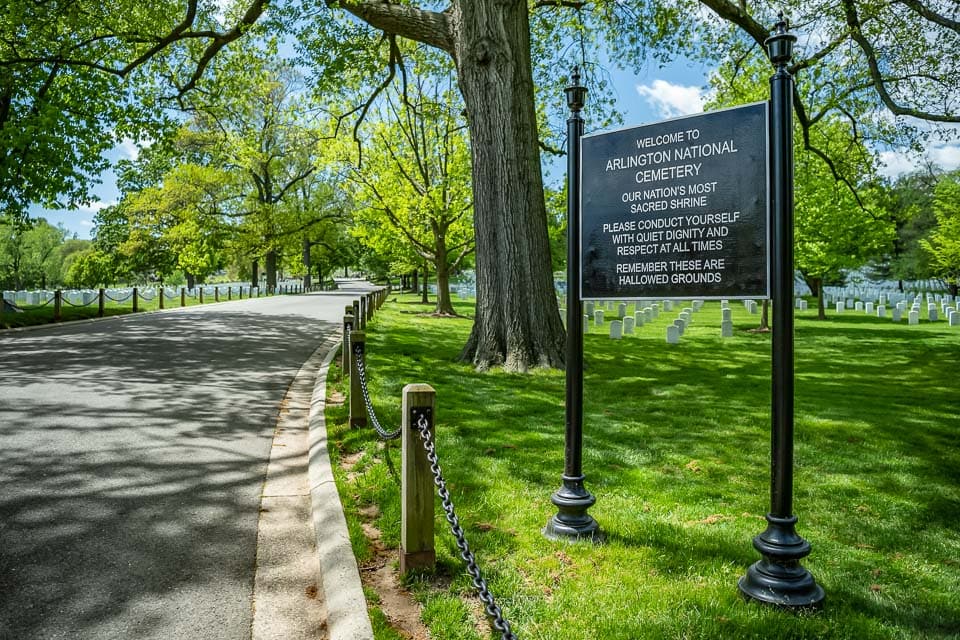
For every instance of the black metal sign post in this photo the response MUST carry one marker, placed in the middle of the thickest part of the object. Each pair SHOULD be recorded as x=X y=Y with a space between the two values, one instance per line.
x=572 y=499
x=778 y=579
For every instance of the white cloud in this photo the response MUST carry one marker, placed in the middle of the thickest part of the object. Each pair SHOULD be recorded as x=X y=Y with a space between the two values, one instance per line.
x=94 y=207
x=130 y=148
x=86 y=223
x=897 y=163
x=670 y=100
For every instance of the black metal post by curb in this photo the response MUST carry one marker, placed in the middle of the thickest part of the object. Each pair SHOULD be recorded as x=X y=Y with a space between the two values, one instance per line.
x=136 y=304
x=183 y=297
x=100 y=302
x=160 y=296
x=778 y=579
x=572 y=499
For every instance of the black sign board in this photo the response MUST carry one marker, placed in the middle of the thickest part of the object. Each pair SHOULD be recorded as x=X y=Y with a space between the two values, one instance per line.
x=677 y=209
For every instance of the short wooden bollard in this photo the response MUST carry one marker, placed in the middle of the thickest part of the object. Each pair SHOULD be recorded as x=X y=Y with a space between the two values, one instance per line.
x=369 y=299
x=160 y=295
x=100 y=303
x=216 y=294
x=416 y=486
x=136 y=304
x=345 y=345
x=200 y=289
x=361 y=322
x=363 y=312
x=358 y=409
x=57 y=305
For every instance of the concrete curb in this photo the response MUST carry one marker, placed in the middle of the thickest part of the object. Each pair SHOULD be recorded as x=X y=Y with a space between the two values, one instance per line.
x=347 y=617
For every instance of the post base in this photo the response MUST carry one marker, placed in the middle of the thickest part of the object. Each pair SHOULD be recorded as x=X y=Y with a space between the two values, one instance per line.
x=572 y=522
x=778 y=579
x=413 y=560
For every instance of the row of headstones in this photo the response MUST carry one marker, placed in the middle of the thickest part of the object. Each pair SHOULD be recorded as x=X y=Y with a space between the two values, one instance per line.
x=626 y=324
x=881 y=296
x=949 y=309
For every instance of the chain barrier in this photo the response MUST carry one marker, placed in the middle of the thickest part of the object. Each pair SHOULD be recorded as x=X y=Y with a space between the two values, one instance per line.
x=361 y=366
x=172 y=296
x=500 y=624
x=118 y=300
x=64 y=300
x=41 y=306
x=146 y=298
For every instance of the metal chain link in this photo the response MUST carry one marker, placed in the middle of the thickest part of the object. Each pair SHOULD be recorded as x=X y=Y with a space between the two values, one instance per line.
x=362 y=374
x=117 y=300
x=500 y=624
x=64 y=300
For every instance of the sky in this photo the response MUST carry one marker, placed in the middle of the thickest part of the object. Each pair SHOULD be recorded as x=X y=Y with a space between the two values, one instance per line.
x=677 y=89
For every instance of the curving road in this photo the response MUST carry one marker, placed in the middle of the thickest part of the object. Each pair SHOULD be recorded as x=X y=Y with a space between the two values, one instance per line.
x=132 y=457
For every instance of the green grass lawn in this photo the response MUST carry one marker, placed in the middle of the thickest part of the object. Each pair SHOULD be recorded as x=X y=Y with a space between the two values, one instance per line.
x=676 y=451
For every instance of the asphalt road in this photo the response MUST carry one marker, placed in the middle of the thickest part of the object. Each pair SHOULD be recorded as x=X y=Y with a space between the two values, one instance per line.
x=132 y=457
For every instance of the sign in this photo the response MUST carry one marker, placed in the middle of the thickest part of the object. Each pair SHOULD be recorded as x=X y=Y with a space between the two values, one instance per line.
x=677 y=209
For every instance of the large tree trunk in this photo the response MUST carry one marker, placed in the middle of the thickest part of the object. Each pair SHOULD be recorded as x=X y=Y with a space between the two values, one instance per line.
x=821 y=312
x=765 y=316
x=517 y=323
x=271 y=267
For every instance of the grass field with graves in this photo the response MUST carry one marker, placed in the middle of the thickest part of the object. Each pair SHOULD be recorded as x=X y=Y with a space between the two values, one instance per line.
x=676 y=451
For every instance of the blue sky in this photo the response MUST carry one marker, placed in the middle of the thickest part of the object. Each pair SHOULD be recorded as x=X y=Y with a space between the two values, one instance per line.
x=656 y=94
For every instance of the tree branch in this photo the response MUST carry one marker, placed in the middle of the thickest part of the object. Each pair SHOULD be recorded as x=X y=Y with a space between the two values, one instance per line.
x=931 y=15
x=429 y=27
x=853 y=21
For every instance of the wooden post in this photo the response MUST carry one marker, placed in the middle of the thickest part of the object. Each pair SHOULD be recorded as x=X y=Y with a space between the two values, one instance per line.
x=216 y=294
x=361 y=322
x=369 y=298
x=416 y=486
x=363 y=312
x=136 y=306
x=345 y=348
x=200 y=289
x=183 y=296
x=57 y=305
x=229 y=293
x=100 y=302
x=358 y=410
x=160 y=295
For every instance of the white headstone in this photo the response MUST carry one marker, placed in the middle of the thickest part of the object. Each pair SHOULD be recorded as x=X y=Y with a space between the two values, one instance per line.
x=954 y=319
x=586 y=324
x=849 y=303
x=914 y=316
x=622 y=309
x=673 y=334
x=839 y=307
x=881 y=311
x=628 y=323
x=685 y=316
x=654 y=310
x=638 y=318
x=753 y=307
x=697 y=304
x=803 y=305
x=668 y=305
x=588 y=308
x=726 y=329
x=868 y=308
x=726 y=315
x=598 y=317
x=648 y=314
x=896 y=314
x=680 y=325
x=858 y=306
x=616 y=330
x=932 y=313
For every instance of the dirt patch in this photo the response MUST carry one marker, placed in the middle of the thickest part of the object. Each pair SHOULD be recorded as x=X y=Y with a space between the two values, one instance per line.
x=381 y=575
